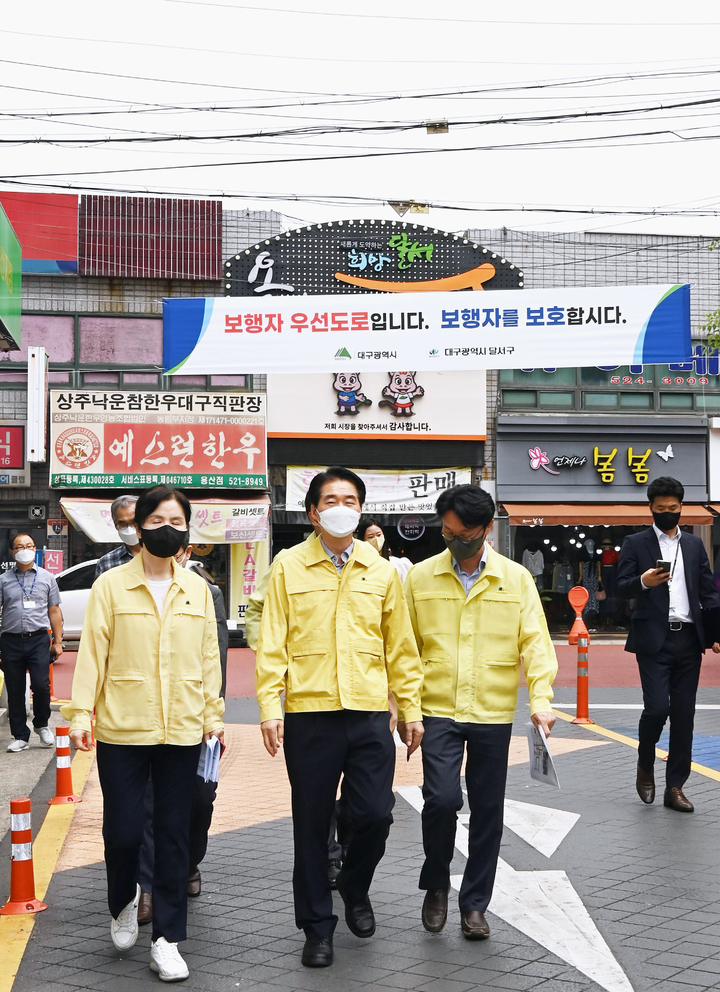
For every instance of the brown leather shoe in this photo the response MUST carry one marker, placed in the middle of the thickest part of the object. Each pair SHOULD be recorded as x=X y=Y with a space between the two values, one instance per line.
x=435 y=909
x=474 y=925
x=645 y=784
x=145 y=908
x=194 y=887
x=676 y=799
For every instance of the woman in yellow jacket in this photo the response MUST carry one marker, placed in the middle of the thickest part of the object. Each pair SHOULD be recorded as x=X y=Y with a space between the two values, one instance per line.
x=149 y=666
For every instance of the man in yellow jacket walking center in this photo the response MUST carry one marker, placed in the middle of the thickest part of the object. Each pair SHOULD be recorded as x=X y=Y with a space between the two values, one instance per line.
x=475 y=614
x=335 y=633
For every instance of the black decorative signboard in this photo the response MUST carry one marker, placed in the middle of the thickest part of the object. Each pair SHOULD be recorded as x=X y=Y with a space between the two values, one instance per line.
x=366 y=256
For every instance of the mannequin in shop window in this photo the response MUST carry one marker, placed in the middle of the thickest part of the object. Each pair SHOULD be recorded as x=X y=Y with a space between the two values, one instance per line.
x=534 y=561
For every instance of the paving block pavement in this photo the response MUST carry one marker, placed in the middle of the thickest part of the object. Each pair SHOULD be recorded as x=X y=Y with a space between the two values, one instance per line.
x=646 y=875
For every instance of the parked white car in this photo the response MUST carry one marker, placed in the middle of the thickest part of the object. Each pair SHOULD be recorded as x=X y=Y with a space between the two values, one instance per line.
x=74 y=585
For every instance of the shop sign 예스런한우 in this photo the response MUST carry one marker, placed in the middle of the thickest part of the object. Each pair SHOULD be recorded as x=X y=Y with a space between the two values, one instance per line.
x=119 y=439
x=439 y=331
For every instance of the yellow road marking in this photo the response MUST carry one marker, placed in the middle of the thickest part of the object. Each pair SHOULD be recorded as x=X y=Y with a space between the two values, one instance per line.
x=631 y=742
x=15 y=931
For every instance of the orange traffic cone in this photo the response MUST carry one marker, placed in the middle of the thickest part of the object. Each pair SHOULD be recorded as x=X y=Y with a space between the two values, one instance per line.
x=63 y=772
x=22 y=878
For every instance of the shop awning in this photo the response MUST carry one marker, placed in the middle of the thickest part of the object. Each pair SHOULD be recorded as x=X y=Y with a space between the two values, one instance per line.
x=213 y=521
x=619 y=514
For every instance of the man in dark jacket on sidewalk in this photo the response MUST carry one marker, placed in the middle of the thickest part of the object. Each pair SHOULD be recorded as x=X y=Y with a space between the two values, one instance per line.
x=675 y=619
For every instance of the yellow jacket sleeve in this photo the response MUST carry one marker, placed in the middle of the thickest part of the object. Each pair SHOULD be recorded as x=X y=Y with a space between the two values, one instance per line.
x=404 y=668
x=212 y=672
x=271 y=663
x=254 y=611
x=91 y=663
x=536 y=647
x=412 y=612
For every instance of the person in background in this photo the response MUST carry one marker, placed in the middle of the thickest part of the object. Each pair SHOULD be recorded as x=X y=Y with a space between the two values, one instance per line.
x=475 y=614
x=674 y=620
x=148 y=664
x=30 y=601
x=334 y=633
x=370 y=530
x=123 y=516
x=204 y=793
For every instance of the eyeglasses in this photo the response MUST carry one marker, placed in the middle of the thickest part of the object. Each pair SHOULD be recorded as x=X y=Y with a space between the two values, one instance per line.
x=24 y=547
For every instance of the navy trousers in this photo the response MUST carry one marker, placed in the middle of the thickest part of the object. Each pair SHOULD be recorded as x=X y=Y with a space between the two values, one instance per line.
x=124 y=771
x=319 y=747
x=669 y=683
x=443 y=748
x=20 y=655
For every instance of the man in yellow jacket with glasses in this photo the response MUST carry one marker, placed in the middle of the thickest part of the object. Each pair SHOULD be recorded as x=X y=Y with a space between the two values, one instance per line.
x=335 y=633
x=475 y=614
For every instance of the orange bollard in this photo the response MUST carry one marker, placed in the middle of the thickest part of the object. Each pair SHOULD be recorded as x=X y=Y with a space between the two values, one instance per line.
x=578 y=597
x=63 y=771
x=22 y=878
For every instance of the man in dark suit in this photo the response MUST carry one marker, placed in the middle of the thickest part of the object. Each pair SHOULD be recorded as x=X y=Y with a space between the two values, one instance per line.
x=675 y=618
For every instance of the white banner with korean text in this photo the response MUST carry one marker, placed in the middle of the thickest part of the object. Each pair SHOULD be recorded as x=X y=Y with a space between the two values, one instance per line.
x=443 y=332
x=387 y=491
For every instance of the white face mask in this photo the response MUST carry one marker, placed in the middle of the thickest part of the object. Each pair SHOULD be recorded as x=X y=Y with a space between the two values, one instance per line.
x=24 y=557
x=128 y=535
x=339 y=521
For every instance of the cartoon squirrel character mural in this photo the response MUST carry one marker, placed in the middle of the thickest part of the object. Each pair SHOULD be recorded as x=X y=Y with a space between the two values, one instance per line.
x=401 y=390
x=348 y=387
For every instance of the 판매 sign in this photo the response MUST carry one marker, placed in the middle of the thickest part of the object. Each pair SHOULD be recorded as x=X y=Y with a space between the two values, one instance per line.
x=387 y=491
x=119 y=439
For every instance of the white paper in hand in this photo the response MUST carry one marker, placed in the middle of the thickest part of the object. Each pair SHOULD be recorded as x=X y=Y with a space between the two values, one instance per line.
x=542 y=768
x=209 y=763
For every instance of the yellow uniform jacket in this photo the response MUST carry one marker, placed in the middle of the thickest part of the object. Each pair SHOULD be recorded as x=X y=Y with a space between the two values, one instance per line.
x=253 y=613
x=150 y=679
x=336 y=641
x=471 y=646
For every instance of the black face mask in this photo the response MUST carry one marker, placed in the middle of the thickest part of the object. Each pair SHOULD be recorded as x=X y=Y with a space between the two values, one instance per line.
x=666 y=521
x=462 y=550
x=165 y=541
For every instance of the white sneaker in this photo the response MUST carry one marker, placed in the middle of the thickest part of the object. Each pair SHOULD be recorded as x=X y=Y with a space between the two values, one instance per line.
x=46 y=736
x=18 y=745
x=167 y=961
x=124 y=930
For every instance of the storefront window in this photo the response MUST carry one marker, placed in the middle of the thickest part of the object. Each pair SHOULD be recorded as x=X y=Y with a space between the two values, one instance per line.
x=621 y=376
x=676 y=401
x=537 y=377
x=519 y=397
x=557 y=398
x=637 y=401
x=600 y=399
x=705 y=402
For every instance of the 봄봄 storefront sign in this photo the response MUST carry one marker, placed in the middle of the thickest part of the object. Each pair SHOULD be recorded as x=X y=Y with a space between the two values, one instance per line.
x=207 y=440
x=440 y=406
x=387 y=491
x=576 y=460
x=366 y=256
x=428 y=332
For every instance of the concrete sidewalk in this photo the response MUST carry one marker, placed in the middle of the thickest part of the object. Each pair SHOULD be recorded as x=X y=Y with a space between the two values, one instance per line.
x=629 y=898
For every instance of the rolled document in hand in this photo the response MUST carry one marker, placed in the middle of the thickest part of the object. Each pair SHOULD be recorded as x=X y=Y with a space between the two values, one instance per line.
x=542 y=768
x=209 y=763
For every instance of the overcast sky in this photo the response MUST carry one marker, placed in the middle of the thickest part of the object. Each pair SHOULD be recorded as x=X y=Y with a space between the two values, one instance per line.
x=258 y=88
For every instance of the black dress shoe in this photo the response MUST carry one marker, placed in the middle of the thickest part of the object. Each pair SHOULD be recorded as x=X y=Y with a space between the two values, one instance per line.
x=194 y=884
x=435 y=910
x=145 y=908
x=334 y=869
x=359 y=915
x=474 y=925
x=645 y=784
x=676 y=799
x=317 y=952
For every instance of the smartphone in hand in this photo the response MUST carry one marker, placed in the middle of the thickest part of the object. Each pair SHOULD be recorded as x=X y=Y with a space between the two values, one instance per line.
x=664 y=565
